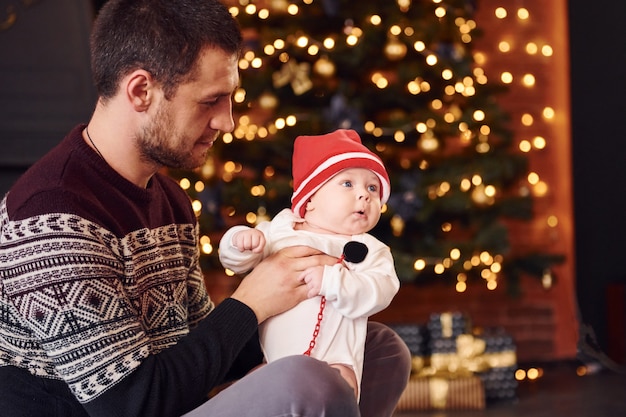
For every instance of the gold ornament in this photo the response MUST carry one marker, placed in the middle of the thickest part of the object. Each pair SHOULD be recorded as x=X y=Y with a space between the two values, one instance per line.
x=546 y=279
x=395 y=50
x=295 y=74
x=279 y=5
x=428 y=142
x=268 y=101
x=404 y=5
x=208 y=169
x=10 y=18
x=397 y=225
x=480 y=197
x=324 y=67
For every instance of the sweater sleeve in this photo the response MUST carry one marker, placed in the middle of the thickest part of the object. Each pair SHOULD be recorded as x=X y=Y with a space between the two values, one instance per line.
x=87 y=307
x=178 y=379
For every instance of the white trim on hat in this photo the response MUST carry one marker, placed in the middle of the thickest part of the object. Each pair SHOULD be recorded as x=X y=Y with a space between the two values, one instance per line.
x=332 y=161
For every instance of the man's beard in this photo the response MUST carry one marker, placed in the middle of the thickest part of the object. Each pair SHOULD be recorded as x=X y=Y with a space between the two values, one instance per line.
x=154 y=144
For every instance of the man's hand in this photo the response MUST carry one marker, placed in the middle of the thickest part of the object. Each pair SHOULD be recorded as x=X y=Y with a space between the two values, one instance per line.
x=276 y=284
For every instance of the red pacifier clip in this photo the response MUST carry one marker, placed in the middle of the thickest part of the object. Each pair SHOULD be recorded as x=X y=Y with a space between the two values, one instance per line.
x=353 y=252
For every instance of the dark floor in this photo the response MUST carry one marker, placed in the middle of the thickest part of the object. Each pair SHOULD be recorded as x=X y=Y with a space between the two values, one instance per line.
x=559 y=392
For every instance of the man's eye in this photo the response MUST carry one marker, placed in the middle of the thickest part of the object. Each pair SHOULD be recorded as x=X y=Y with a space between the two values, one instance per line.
x=211 y=102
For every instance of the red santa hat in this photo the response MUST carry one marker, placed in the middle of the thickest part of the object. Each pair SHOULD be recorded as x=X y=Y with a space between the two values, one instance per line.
x=316 y=159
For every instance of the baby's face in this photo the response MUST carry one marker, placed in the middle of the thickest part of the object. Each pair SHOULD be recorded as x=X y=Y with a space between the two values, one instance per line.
x=347 y=204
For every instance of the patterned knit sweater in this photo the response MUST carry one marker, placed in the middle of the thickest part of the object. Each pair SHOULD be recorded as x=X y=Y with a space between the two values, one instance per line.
x=101 y=291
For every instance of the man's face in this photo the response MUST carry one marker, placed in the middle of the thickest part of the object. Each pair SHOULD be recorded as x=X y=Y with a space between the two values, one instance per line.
x=181 y=130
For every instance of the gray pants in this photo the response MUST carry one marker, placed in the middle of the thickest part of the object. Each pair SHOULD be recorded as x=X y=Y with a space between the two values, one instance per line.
x=300 y=386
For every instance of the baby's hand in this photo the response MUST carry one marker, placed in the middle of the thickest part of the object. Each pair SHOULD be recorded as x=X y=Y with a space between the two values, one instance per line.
x=312 y=278
x=250 y=239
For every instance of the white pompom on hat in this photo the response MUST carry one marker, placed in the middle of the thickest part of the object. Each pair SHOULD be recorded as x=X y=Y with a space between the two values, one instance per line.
x=316 y=159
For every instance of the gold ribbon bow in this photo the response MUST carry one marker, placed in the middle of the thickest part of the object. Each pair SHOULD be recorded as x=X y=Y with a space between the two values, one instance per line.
x=467 y=359
x=295 y=74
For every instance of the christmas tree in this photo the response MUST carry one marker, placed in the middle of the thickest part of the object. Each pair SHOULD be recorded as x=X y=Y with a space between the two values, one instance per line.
x=404 y=76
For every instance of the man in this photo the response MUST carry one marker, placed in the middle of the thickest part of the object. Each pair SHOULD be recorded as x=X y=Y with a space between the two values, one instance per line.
x=103 y=309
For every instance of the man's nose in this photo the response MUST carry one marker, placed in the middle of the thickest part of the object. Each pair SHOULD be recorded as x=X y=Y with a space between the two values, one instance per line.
x=223 y=118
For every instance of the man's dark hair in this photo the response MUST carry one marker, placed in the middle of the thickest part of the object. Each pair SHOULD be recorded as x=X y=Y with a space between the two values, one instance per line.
x=163 y=37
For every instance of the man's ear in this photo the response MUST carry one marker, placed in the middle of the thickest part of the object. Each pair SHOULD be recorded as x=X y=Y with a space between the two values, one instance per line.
x=140 y=89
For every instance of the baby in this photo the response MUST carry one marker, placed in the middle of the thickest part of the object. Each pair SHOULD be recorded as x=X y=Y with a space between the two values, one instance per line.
x=340 y=187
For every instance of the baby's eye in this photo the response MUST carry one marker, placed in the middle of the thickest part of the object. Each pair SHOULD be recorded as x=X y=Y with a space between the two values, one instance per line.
x=373 y=188
x=347 y=183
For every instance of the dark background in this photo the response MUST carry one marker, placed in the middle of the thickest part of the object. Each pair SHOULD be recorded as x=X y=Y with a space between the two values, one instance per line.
x=45 y=79
x=45 y=89
x=598 y=88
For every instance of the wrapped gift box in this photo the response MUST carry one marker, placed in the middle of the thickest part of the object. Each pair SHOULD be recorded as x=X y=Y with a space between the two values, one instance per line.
x=443 y=392
x=500 y=384
x=454 y=368
x=448 y=324
x=416 y=337
x=500 y=355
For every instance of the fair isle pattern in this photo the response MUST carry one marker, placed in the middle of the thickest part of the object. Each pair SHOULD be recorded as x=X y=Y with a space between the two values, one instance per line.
x=87 y=307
